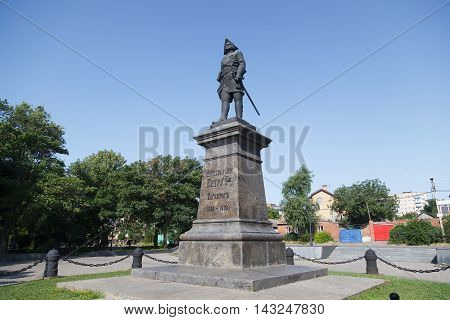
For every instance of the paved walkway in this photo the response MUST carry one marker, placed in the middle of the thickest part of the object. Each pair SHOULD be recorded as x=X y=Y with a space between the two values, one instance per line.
x=360 y=267
x=68 y=269
x=324 y=288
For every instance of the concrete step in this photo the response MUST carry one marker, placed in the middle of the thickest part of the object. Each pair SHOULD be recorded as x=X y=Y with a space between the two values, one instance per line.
x=130 y=288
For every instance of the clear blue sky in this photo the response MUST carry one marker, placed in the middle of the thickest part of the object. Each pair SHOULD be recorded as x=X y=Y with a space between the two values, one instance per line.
x=386 y=118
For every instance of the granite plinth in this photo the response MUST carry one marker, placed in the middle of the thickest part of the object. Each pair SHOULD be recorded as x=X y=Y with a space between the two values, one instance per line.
x=232 y=254
x=232 y=230
x=254 y=279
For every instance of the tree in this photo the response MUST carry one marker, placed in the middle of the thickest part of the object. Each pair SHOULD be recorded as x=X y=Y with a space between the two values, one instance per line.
x=364 y=198
x=135 y=201
x=59 y=209
x=29 y=143
x=273 y=213
x=101 y=172
x=175 y=187
x=407 y=216
x=298 y=209
x=160 y=195
x=430 y=208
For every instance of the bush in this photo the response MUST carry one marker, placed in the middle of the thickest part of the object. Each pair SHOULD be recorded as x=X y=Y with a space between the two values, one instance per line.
x=304 y=237
x=323 y=237
x=446 y=223
x=291 y=237
x=415 y=232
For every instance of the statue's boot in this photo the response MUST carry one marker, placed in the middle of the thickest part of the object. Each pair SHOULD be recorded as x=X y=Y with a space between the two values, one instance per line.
x=238 y=105
x=225 y=110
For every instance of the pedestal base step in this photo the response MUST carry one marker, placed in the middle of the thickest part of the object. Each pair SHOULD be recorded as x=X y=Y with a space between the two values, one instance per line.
x=254 y=279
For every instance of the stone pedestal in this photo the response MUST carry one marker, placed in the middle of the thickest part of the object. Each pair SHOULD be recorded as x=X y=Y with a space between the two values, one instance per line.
x=232 y=230
x=232 y=239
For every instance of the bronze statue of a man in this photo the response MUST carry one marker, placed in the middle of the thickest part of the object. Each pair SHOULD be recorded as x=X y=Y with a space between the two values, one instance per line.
x=231 y=73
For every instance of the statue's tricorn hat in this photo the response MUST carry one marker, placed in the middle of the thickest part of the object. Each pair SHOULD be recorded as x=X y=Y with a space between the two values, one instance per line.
x=228 y=42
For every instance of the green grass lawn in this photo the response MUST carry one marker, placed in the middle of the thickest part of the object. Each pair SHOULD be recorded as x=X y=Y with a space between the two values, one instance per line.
x=46 y=289
x=408 y=289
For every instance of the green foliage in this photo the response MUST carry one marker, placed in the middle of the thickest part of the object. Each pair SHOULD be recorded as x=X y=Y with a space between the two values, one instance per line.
x=323 y=237
x=299 y=184
x=59 y=208
x=354 y=200
x=297 y=207
x=406 y=216
x=446 y=224
x=295 y=237
x=29 y=144
x=101 y=172
x=291 y=237
x=416 y=232
x=175 y=184
x=273 y=213
x=430 y=208
x=304 y=237
x=42 y=205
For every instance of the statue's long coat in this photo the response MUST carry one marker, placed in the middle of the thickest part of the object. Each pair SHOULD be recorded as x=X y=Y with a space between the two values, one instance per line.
x=232 y=66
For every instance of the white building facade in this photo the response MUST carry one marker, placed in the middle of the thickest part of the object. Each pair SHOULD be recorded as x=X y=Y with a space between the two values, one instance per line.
x=411 y=202
x=443 y=207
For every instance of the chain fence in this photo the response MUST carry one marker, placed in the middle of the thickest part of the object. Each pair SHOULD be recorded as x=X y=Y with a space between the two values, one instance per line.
x=413 y=270
x=9 y=273
x=94 y=265
x=159 y=260
x=379 y=258
x=330 y=262
x=82 y=264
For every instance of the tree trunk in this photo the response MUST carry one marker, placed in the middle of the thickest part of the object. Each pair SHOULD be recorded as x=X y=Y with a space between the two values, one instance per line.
x=4 y=238
x=155 y=238
x=165 y=238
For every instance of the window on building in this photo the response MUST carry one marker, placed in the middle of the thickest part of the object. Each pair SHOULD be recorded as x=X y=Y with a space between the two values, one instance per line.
x=445 y=209
x=319 y=201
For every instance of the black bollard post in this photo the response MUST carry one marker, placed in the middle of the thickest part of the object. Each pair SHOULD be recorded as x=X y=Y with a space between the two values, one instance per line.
x=289 y=256
x=137 y=258
x=394 y=296
x=51 y=265
x=371 y=262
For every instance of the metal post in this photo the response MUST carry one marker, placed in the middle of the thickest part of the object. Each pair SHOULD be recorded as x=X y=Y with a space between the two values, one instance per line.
x=368 y=211
x=394 y=296
x=51 y=265
x=433 y=188
x=289 y=256
x=138 y=253
x=305 y=208
x=371 y=262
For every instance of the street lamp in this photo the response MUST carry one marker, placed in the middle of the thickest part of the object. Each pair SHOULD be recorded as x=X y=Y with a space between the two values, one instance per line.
x=433 y=188
x=305 y=208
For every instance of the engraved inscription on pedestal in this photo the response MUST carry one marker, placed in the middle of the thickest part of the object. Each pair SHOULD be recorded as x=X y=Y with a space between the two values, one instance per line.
x=218 y=193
